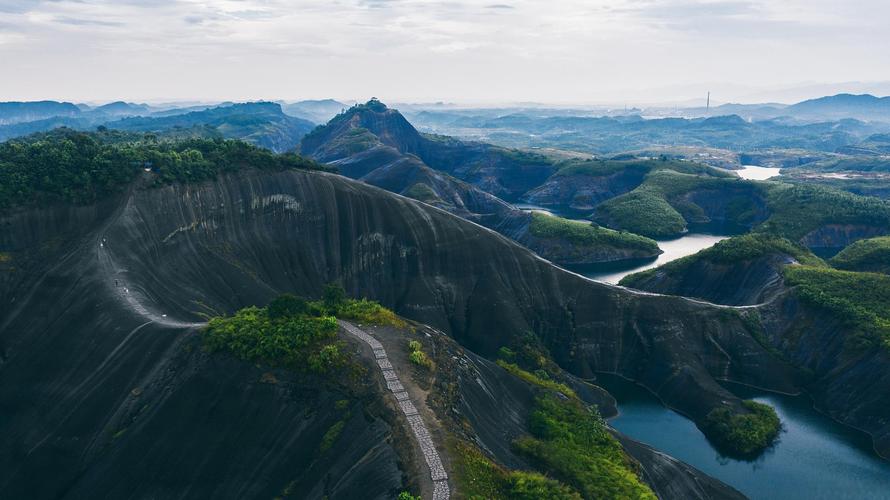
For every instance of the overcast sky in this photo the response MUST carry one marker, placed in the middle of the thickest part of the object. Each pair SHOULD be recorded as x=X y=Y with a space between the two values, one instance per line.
x=569 y=51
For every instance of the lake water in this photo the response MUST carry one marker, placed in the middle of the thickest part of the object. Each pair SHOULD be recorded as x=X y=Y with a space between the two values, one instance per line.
x=815 y=458
x=612 y=272
x=673 y=250
x=757 y=173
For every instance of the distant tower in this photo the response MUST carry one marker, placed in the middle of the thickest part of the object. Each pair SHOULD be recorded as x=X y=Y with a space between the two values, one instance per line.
x=708 y=106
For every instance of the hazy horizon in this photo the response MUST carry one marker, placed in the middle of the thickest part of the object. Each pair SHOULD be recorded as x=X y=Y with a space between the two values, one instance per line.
x=473 y=53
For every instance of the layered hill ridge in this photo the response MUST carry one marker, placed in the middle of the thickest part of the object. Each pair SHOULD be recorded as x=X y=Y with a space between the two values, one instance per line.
x=377 y=145
x=101 y=297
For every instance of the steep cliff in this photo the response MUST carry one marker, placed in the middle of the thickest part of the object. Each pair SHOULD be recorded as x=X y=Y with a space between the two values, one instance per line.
x=104 y=297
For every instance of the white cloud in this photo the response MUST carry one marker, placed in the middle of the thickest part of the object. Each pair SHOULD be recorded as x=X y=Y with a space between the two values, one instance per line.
x=558 y=50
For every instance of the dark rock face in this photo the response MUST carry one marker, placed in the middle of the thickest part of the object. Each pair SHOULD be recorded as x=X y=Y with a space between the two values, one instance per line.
x=501 y=172
x=851 y=387
x=497 y=405
x=582 y=193
x=740 y=283
x=378 y=146
x=727 y=211
x=832 y=238
x=110 y=291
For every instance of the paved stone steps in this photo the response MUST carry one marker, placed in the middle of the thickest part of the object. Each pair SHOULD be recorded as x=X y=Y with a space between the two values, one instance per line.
x=421 y=434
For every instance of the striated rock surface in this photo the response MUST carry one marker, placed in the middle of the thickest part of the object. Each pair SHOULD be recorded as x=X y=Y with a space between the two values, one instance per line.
x=109 y=295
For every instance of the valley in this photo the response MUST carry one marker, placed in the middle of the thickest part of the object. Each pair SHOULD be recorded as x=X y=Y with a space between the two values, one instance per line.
x=489 y=274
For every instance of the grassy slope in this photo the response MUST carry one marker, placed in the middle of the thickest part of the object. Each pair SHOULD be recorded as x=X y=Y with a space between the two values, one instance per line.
x=871 y=255
x=581 y=234
x=648 y=209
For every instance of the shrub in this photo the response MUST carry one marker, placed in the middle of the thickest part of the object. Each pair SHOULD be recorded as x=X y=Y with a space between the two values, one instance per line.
x=572 y=442
x=286 y=305
x=370 y=312
x=417 y=356
x=333 y=297
x=300 y=342
x=536 y=380
x=477 y=477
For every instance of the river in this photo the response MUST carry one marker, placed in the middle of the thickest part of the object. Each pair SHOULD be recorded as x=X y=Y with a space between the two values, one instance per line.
x=815 y=457
x=612 y=272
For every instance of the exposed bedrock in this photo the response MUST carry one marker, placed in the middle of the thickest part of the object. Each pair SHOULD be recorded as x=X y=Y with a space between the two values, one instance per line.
x=832 y=238
x=580 y=194
x=752 y=281
x=851 y=386
x=68 y=329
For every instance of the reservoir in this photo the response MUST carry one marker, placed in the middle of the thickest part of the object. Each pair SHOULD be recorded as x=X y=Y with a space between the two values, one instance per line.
x=673 y=250
x=757 y=173
x=612 y=272
x=815 y=457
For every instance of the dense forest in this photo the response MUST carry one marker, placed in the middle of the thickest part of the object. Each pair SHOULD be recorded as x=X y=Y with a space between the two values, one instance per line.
x=81 y=167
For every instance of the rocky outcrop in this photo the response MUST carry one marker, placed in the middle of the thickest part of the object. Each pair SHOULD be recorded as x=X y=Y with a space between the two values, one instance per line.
x=580 y=194
x=729 y=210
x=747 y=282
x=849 y=385
x=119 y=284
x=832 y=238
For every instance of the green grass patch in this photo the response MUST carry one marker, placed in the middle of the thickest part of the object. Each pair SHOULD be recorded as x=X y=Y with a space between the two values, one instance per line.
x=478 y=477
x=743 y=434
x=571 y=442
x=642 y=211
x=862 y=299
x=421 y=192
x=537 y=379
x=581 y=234
x=871 y=255
x=330 y=437
x=368 y=312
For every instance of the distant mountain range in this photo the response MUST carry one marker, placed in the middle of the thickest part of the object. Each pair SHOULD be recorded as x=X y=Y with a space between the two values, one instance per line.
x=261 y=123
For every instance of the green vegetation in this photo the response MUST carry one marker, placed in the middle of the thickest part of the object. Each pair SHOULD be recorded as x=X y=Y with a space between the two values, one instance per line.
x=744 y=434
x=300 y=342
x=657 y=208
x=417 y=356
x=730 y=251
x=80 y=167
x=798 y=209
x=540 y=378
x=598 y=168
x=571 y=441
x=422 y=192
x=477 y=477
x=368 y=312
x=292 y=332
x=330 y=437
x=644 y=212
x=861 y=299
x=407 y=496
x=871 y=255
x=581 y=234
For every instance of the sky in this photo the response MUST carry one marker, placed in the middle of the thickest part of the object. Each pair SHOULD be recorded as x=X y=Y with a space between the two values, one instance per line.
x=496 y=51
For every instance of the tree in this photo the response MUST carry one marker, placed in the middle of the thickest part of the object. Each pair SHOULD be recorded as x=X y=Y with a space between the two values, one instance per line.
x=287 y=305
x=334 y=296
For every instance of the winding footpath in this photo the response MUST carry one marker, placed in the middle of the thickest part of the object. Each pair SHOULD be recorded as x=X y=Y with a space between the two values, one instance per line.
x=421 y=434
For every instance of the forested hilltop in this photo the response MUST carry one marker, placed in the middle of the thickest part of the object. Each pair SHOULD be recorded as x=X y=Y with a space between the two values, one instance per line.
x=80 y=167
